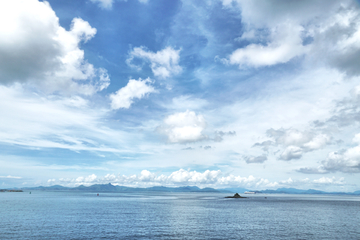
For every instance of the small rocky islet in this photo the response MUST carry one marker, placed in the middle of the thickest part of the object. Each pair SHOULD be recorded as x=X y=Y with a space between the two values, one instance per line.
x=236 y=195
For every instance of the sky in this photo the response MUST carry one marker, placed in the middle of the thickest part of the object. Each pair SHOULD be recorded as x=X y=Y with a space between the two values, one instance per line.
x=208 y=93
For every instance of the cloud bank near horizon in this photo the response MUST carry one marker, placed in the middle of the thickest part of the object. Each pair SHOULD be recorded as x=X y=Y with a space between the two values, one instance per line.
x=208 y=178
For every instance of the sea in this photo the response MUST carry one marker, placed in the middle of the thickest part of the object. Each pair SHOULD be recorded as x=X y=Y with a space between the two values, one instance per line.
x=85 y=215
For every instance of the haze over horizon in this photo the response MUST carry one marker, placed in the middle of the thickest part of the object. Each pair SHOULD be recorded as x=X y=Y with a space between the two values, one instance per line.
x=213 y=93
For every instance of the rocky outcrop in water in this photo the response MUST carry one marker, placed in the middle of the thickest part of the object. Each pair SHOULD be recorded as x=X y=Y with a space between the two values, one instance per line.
x=236 y=195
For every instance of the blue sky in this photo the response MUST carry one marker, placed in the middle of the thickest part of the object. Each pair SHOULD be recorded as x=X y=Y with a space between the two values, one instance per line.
x=222 y=93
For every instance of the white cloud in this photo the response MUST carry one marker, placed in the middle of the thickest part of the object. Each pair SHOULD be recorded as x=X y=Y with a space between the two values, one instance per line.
x=124 y=97
x=315 y=182
x=338 y=39
x=258 y=159
x=326 y=180
x=289 y=136
x=51 y=181
x=184 y=102
x=183 y=127
x=348 y=161
x=10 y=177
x=356 y=138
x=163 y=63
x=325 y=32
x=309 y=170
x=272 y=12
x=194 y=177
x=35 y=49
x=52 y=121
x=208 y=178
x=285 y=44
x=107 y=4
x=317 y=142
x=295 y=142
x=104 y=4
x=291 y=152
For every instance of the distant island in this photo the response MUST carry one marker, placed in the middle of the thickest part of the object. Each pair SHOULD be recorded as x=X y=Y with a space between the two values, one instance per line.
x=112 y=188
x=10 y=190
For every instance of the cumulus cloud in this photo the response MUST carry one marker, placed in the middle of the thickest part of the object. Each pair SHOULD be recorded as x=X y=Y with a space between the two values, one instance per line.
x=294 y=142
x=272 y=12
x=51 y=181
x=258 y=159
x=347 y=111
x=182 y=177
x=346 y=161
x=186 y=177
x=317 y=142
x=183 y=127
x=164 y=63
x=186 y=127
x=325 y=32
x=208 y=178
x=333 y=180
x=285 y=44
x=291 y=152
x=323 y=182
x=35 y=49
x=337 y=38
x=125 y=96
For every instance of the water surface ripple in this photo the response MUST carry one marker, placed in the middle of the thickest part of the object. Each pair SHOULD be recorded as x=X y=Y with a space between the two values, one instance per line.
x=77 y=215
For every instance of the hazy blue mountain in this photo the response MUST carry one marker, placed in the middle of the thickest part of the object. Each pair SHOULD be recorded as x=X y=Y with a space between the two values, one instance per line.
x=111 y=188
x=55 y=187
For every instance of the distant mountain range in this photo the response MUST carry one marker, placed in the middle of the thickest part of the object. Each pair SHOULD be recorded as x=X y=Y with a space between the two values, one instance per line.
x=112 y=188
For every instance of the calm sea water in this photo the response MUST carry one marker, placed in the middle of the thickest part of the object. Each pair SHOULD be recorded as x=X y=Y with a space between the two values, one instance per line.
x=69 y=215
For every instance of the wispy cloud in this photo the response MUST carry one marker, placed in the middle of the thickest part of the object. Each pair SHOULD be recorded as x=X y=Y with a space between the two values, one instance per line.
x=123 y=98
x=164 y=63
x=10 y=177
x=104 y=4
